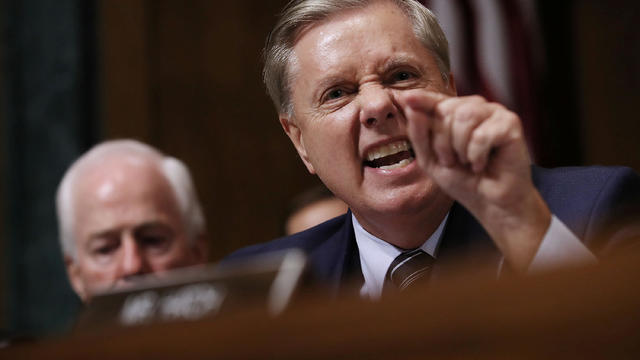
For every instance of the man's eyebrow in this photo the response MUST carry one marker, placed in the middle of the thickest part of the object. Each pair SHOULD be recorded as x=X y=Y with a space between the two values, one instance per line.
x=400 y=61
x=102 y=234
x=328 y=82
x=152 y=225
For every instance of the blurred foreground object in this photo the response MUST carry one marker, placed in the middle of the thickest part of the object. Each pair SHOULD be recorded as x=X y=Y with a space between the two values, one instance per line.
x=199 y=292
x=573 y=314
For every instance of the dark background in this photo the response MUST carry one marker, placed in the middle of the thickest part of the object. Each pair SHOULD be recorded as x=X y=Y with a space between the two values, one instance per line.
x=184 y=76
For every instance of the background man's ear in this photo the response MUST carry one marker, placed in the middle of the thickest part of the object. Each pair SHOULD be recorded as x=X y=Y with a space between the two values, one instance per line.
x=201 y=249
x=294 y=133
x=75 y=278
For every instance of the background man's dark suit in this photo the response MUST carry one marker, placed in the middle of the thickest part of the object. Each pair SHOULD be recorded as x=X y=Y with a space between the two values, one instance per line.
x=600 y=205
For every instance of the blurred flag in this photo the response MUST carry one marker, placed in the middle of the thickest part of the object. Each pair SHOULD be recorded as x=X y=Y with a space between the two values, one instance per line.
x=496 y=52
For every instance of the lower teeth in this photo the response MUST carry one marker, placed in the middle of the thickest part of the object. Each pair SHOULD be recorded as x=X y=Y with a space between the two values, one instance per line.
x=401 y=163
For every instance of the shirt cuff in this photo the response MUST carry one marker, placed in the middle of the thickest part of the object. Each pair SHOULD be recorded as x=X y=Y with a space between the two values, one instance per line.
x=560 y=248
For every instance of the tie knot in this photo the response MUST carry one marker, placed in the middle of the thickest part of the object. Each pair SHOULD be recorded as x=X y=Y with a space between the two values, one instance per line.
x=408 y=267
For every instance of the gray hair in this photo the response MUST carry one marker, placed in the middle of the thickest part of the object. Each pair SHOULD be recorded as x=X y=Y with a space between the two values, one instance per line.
x=301 y=14
x=174 y=170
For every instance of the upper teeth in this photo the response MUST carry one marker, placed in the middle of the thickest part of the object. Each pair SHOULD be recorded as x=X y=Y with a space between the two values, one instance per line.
x=388 y=149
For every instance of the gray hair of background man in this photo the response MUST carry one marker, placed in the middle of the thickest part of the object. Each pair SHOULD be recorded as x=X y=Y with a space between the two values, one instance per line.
x=176 y=173
x=300 y=14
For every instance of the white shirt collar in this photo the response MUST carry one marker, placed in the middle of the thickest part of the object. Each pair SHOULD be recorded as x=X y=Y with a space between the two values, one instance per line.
x=376 y=255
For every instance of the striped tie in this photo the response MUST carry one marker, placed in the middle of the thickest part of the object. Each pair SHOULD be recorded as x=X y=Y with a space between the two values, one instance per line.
x=408 y=267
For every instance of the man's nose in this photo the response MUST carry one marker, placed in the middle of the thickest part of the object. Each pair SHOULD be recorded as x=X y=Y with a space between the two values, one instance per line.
x=377 y=106
x=133 y=261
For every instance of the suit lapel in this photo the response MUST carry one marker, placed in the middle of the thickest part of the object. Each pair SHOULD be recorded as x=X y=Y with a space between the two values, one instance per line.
x=337 y=260
x=464 y=241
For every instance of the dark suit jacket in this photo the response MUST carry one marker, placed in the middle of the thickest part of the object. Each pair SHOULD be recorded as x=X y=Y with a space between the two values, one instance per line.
x=601 y=206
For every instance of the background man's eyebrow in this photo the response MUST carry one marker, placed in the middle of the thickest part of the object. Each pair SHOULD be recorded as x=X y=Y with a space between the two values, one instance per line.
x=153 y=225
x=100 y=234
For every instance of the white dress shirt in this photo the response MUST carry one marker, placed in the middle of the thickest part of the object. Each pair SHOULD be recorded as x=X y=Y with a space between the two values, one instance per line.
x=559 y=247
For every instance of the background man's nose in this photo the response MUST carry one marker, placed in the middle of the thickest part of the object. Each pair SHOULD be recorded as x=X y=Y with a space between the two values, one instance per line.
x=133 y=261
x=376 y=106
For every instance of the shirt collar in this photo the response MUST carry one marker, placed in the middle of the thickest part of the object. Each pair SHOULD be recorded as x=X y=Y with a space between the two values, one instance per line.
x=376 y=255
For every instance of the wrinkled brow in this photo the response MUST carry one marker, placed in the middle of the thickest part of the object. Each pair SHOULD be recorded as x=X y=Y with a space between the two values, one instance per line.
x=401 y=61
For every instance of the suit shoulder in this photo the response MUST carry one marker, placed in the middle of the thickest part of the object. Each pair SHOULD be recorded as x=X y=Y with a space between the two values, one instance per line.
x=307 y=240
x=591 y=197
x=581 y=178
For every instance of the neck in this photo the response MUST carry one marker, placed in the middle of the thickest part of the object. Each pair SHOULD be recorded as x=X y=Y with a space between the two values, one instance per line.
x=406 y=229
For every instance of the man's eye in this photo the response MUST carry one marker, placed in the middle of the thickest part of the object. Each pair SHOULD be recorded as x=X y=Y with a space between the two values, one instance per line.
x=155 y=243
x=403 y=75
x=334 y=94
x=156 y=237
x=104 y=250
x=153 y=240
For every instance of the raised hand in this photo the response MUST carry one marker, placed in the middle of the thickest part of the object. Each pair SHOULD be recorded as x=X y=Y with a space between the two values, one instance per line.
x=476 y=152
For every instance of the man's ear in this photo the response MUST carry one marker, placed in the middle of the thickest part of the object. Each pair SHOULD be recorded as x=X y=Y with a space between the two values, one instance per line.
x=294 y=133
x=201 y=249
x=452 y=85
x=75 y=278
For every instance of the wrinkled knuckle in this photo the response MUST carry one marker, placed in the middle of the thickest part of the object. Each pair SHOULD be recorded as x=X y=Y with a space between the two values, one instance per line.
x=497 y=106
x=441 y=121
x=515 y=134
x=441 y=108
x=502 y=195
x=512 y=118
x=477 y=98
x=481 y=137
x=466 y=113
x=514 y=124
x=473 y=155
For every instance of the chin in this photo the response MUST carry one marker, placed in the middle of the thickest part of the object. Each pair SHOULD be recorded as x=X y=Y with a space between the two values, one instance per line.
x=406 y=200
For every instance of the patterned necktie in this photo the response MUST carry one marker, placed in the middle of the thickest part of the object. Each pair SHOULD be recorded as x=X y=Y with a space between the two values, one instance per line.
x=408 y=267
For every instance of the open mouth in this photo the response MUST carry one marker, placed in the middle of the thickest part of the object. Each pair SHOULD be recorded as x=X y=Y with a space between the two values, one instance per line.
x=390 y=156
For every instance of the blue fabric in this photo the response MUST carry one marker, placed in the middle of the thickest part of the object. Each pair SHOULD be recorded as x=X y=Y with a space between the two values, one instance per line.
x=600 y=205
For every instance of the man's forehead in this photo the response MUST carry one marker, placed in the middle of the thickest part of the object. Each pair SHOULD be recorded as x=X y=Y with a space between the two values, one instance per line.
x=115 y=191
x=124 y=210
x=350 y=19
x=327 y=44
x=116 y=170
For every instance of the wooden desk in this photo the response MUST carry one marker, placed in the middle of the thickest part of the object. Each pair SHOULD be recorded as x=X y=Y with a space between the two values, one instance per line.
x=582 y=313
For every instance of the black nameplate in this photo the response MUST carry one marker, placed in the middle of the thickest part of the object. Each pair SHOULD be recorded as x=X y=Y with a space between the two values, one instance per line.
x=200 y=292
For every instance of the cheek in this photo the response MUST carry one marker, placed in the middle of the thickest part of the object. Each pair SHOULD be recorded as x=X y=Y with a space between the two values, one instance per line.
x=334 y=136
x=178 y=255
x=334 y=152
x=97 y=275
